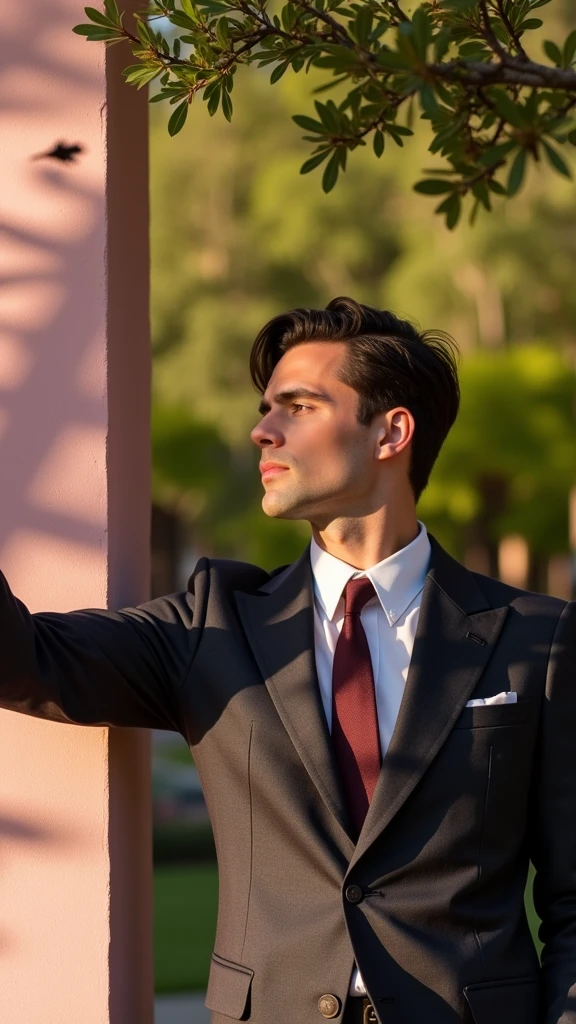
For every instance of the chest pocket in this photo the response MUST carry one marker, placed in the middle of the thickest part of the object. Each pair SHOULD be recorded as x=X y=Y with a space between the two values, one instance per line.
x=485 y=716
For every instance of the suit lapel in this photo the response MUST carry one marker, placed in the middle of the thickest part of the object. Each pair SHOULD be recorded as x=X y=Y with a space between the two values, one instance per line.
x=279 y=625
x=446 y=665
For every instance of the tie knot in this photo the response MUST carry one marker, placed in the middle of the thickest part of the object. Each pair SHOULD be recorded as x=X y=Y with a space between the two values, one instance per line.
x=357 y=593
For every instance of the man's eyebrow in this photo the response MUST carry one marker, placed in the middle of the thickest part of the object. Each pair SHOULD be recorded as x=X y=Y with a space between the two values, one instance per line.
x=286 y=397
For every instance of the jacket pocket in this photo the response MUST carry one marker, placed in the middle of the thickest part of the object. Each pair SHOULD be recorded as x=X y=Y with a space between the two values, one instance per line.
x=228 y=987
x=503 y=1002
x=491 y=715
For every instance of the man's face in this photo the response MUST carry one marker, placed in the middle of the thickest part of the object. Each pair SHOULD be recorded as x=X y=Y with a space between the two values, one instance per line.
x=319 y=463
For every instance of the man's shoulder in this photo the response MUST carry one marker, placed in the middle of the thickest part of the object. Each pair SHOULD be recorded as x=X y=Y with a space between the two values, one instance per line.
x=228 y=574
x=524 y=601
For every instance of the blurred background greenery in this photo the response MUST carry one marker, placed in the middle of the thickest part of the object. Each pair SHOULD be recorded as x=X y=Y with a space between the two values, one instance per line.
x=238 y=236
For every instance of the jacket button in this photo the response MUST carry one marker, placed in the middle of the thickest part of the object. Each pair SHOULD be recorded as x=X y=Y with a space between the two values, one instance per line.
x=354 y=894
x=329 y=1005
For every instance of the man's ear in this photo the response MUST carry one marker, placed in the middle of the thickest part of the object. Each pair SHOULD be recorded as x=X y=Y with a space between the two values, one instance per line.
x=395 y=432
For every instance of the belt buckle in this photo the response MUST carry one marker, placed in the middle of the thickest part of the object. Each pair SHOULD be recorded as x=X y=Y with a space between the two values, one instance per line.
x=369 y=1015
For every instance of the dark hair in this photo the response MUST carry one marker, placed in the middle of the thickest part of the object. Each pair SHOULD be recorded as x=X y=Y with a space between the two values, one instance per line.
x=390 y=362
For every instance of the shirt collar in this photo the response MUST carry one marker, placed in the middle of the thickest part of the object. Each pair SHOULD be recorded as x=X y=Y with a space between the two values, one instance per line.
x=397 y=579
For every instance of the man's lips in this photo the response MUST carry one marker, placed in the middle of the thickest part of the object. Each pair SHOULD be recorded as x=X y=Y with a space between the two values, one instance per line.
x=271 y=469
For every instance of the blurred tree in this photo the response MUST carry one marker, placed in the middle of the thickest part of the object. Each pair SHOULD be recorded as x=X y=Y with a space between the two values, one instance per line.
x=508 y=465
x=237 y=236
x=468 y=66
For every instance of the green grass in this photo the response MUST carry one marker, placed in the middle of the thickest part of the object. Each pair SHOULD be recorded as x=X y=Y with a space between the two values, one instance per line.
x=185 y=903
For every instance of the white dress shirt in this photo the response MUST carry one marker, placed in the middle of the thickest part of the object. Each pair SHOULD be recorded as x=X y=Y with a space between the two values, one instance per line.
x=389 y=618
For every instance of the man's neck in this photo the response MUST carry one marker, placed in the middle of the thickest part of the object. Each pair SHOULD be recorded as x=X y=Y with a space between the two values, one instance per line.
x=363 y=542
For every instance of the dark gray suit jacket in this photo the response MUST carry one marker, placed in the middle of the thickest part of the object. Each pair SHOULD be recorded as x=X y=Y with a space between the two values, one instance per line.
x=430 y=900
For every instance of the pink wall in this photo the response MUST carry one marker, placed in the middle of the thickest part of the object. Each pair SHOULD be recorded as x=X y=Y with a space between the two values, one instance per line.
x=75 y=893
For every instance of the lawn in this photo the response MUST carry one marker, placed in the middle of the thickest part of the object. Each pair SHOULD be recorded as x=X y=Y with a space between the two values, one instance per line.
x=185 y=901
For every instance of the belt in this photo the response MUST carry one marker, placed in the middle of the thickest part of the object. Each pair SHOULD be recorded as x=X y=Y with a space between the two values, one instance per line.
x=359 y=1011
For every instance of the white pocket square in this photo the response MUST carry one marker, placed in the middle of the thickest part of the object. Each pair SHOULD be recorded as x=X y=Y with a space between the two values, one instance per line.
x=506 y=697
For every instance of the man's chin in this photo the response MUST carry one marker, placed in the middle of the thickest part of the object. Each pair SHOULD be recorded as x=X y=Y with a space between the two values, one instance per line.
x=277 y=506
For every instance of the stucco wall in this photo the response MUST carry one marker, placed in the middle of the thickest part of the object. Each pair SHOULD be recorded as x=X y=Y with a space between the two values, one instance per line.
x=74 y=803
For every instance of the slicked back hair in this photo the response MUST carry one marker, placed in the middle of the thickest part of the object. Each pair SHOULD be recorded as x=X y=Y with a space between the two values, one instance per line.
x=390 y=363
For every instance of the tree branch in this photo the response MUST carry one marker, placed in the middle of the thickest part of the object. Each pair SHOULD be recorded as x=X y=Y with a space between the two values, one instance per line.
x=489 y=35
x=514 y=72
x=338 y=29
x=511 y=31
x=395 y=5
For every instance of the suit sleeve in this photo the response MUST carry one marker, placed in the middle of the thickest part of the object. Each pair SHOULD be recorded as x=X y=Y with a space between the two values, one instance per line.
x=553 y=845
x=94 y=667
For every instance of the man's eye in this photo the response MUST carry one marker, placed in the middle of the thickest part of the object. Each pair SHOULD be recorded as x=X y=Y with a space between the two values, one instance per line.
x=297 y=406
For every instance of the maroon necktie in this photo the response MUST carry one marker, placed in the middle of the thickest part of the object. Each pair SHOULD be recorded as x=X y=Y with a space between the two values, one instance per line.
x=354 y=716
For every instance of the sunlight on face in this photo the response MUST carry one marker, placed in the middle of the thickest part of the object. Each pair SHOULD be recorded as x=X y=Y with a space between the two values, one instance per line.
x=318 y=461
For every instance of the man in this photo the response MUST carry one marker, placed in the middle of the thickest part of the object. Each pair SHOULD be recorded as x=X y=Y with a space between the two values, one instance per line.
x=385 y=739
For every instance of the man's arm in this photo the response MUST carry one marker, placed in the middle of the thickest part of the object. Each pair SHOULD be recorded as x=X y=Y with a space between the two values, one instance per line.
x=98 y=667
x=553 y=827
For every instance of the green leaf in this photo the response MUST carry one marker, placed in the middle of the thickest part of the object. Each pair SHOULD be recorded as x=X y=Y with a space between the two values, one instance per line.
x=111 y=8
x=495 y=154
x=452 y=207
x=314 y=161
x=95 y=34
x=361 y=27
x=517 y=171
x=572 y=137
x=143 y=33
x=222 y=32
x=392 y=61
x=379 y=143
x=552 y=51
x=215 y=84
x=530 y=24
x=556 y=161
x=421 y=31
x=226 y=105
x=428 y=102
x=142 y=75
x=183 y=20
x=214 y=100
x=289 y=16
x=474 y=50
x=309 y=125
x=474 y=213
x=496 y=187
x=132 y=69
x=98 y=18
x=328 y=114
x=507 y=108
x=480 y=191
x=433 y=187
x=460 y=5
x=330 y=176
x=178 y=118
x=442 y=42
x=329 y=85
x=569 y=50
x=278 y=72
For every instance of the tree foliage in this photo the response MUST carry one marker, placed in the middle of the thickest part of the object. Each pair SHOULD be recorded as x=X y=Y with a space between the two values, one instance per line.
x=463 y=65
x=239 y=237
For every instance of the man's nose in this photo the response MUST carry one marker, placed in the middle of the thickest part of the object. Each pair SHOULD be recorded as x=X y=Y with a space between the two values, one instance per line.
x=265 y=434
